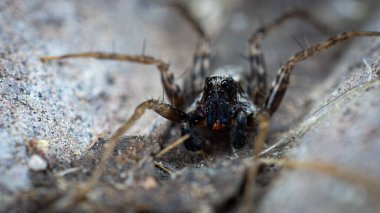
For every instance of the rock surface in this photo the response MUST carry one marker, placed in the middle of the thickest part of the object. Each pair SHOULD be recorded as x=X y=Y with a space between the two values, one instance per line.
x=341 y=129
x=330 y=114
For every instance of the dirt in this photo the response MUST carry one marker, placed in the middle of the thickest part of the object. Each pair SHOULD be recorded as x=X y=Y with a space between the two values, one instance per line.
x=329 y=116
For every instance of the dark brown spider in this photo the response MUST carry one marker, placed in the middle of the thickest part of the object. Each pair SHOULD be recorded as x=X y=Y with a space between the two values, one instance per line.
x=230 y=102
x=232 y=99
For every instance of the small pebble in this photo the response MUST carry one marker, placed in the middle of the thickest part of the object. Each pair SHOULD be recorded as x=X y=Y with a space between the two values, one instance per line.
x=149 y=183
x=37 y=163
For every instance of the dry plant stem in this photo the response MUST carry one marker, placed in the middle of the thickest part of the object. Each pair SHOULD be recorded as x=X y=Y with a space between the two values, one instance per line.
x=272 y=102
x=82 y=191
x=173 y=145
x=372 y=187
x=110 y=146
x=263 y=120
x=161 y=166
x=253 y=166
x=139 y=111
x=93 y=142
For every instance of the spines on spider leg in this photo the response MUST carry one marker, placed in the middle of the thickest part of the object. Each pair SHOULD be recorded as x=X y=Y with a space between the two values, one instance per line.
x=258 y=72
x=141 y=59
x=255 y=55
x=172 y=90
x=201 y=64
x=280 y=84
x=201 y=58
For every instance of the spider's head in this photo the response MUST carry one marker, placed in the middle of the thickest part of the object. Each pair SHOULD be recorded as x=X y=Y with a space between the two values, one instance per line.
x=219 y=97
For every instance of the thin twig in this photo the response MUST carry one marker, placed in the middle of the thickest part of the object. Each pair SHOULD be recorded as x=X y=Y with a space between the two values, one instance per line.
x=161 y=166
x=371 y=186
x=93 y=142
x=173 y=145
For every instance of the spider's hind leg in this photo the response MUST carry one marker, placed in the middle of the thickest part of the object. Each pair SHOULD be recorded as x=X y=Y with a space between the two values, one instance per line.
x=201 y=65
x=201 y=59
x=258 y=76
x=280 y=84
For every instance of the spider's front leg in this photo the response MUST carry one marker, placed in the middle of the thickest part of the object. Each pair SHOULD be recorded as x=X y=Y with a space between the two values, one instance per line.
x=172 y=90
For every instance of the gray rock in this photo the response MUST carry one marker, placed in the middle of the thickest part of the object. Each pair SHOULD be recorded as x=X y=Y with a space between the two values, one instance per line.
x=330 y=118
x=341 y=130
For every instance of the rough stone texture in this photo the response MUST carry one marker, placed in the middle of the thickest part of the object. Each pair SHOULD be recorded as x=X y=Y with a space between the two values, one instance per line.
x=342 y=129
x=69 y=103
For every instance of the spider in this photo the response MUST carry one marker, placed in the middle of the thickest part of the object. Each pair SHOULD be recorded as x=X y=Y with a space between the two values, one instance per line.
x=231 y=101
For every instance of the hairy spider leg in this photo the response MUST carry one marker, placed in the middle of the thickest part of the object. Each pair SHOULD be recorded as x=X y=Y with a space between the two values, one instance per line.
x=258 y=78
x=172 y=90
x=280 y=84
x=201 y=66
x=201 y=58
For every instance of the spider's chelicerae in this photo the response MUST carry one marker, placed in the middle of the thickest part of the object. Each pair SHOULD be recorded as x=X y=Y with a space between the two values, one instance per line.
x=231 y=101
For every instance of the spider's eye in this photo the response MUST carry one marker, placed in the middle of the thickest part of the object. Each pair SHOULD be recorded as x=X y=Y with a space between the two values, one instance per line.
x=227 y=84
x=209 y=84
x=224 y=84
